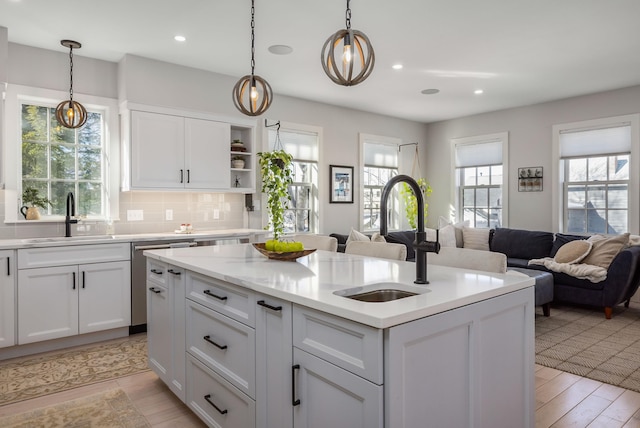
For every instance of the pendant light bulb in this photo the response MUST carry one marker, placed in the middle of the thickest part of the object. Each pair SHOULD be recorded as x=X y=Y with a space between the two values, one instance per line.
x=346 y=52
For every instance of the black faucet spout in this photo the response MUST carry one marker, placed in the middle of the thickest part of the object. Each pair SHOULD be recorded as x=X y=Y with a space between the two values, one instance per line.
x=71 y=212
x=421 y=245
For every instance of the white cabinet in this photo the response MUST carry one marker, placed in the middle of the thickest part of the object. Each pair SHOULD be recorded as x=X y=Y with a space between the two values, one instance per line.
x=66 y=298
x=7 y=298
x=175 y=152
x=166 y=324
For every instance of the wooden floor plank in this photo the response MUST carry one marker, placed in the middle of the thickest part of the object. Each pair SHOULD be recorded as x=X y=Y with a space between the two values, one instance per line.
x=565 y=401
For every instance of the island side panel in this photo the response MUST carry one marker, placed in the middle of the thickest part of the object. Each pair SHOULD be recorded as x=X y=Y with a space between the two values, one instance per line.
x=468 y=367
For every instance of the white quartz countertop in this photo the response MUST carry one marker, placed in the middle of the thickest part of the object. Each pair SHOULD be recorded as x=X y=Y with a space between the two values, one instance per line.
x=312 y=280
x=56 y=241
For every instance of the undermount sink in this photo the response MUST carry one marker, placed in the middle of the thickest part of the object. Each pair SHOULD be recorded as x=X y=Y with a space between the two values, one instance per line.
x=67 y=239
x=381 y=292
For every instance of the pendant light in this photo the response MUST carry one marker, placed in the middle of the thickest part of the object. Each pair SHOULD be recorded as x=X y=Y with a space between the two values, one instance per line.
x=252 y=95
x=71 y=114
x=351 y=64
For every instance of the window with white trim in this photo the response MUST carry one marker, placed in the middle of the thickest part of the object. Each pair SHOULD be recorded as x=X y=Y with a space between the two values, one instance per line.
x=596 y=176
x=380 y=156
x=479 y=179
x=302 y=143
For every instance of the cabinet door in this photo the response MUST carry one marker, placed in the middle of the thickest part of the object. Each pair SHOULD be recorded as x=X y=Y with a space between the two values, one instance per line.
x=157 y=151
x=159 y=346
x=7 y=298
x=206 y=162
x=333 y=397
x=273 y=363
x=47 y=303
x=105 y=296
x=178 y=331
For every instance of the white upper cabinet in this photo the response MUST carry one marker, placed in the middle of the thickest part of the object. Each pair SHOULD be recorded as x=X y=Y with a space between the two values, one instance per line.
x=177 y=152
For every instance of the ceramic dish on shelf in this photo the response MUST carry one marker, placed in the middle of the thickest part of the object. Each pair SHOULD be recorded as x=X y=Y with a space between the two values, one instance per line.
x=275 y=255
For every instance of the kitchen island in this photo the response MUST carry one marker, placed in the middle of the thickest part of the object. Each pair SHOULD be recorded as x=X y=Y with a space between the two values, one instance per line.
x=273 y=343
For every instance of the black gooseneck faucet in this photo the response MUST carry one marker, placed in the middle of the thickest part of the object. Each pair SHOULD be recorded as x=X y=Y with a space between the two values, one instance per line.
x=421 y=245
x=71 y=212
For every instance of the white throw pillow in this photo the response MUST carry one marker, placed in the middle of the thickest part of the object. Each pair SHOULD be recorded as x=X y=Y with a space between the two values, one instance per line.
x=457 y=230
x=476 y=239
x=376 y=237
x=354 y=235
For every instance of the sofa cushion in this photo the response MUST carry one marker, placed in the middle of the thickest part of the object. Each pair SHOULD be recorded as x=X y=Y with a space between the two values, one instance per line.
x=573 y=252
x=475 y=239
x=605 y=249
x=451 y=233
x=354 y=235
x=562 y=239
x=522 y=244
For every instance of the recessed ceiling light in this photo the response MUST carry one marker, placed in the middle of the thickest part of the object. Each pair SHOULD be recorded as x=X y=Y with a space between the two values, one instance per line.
x=478 y=91
x=397 y=66
x=280 y=49
x=180 y=38
x=430 y=91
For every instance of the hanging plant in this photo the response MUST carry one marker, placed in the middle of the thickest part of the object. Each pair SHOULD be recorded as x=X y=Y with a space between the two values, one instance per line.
x=411 y=202
x=275 y=168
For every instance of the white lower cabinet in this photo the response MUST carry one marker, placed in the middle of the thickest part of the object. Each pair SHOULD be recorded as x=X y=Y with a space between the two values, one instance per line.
x=62 y=293
x=7 y=298
x=166 y=324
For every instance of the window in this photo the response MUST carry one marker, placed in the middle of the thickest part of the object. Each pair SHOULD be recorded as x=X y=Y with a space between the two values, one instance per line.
x=595 y=161
x=479 y=181
x=380 y=164
x=57 y=160
x=302 y=143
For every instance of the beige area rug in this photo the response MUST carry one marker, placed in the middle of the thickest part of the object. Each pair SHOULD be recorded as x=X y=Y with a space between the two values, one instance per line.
x=34 y=376
x=111 y=409
x=581 y=341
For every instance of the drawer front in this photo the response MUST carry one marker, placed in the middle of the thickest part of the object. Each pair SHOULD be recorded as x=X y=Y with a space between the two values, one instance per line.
x=157 y=272
x=225 y=345
x=215 y=401
x=231 y=300
x=354 y=347
x=29 y=258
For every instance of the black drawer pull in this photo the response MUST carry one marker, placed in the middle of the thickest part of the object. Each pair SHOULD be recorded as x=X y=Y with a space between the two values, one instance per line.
x=74 y=280
x=208 y=398
x=156 y=271
x=174 y=272
x=155 y=290
x=294 y=400
x=209 y=293
x=208 y=339
x=82 y=279
x=181 y=176
x=268 y=306
x=188 y=176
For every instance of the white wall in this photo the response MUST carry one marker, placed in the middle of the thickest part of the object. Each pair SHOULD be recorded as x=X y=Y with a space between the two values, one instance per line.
x=530 y=139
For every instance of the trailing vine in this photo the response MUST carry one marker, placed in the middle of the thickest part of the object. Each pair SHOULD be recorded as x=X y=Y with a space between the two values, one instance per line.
x=275 y=168
x=411 y=203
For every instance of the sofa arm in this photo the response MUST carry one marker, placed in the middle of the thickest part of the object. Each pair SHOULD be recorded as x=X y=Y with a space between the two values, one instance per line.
x=623 y=276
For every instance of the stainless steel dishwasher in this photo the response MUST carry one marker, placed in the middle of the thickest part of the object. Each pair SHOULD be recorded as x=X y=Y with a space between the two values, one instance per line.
x=139 y=278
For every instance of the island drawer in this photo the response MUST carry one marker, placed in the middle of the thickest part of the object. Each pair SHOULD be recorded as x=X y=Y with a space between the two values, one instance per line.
x=233 y=301
x=224 y=345
x=157 y=272
x=215 y=401
x=354 y=347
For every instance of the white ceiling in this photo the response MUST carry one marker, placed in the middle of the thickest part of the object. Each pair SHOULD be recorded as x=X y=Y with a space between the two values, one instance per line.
x=519 y=52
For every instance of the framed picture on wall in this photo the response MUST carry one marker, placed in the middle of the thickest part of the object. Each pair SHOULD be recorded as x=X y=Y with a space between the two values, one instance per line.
x=530 y=179
x=341 y=184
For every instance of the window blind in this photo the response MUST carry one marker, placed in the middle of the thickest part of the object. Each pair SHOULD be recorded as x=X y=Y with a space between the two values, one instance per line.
x=380 y=155
x=478 y=154
x=591 y=142
x=303 y=146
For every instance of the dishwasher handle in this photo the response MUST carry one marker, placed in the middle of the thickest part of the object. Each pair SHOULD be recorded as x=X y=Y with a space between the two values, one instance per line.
x=164 y=246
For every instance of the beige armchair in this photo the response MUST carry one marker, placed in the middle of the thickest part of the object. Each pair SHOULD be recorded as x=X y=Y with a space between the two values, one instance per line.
x=384 y=250
x=319 y=242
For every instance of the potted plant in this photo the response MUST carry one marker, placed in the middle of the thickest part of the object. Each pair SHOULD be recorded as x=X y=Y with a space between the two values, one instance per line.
x=32 y=200
x=275 y=168
x=411 y=203
x=237 y=162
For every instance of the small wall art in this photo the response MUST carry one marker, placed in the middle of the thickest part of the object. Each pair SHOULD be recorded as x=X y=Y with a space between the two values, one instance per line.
x=341 y=184
x=530 y=179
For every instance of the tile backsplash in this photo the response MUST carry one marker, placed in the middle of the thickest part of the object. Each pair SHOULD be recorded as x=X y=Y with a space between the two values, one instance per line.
x=198 y=209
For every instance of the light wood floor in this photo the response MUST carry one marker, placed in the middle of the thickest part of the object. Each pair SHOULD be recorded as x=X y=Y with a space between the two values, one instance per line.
x=562 y=400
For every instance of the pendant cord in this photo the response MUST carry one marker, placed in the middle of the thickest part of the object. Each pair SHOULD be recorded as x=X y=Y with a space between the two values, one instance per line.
x=253 y=37
x=348 y=15
x=71 y=73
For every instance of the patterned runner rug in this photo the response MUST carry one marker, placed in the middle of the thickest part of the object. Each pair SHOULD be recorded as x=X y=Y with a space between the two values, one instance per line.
x=34 y=376
x=581 y=341
x=111 y=409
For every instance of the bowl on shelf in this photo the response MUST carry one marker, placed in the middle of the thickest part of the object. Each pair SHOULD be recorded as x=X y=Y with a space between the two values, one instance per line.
x=276 y=255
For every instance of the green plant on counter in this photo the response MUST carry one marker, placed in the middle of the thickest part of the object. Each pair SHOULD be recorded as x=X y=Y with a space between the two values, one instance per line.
x=275 y=168
x=31 y=197
x=411 y=202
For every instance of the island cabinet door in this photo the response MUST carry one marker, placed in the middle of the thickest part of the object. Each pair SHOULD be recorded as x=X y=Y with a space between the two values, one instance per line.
x=468 y=367
x=7 y=298
x=159 y=344
x=325 y=395
x=274 y=355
